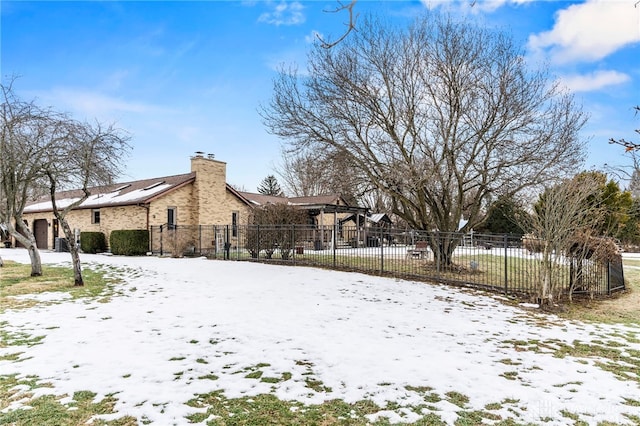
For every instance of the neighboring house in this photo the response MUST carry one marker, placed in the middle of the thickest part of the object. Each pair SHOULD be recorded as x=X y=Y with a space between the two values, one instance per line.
x=201 y=197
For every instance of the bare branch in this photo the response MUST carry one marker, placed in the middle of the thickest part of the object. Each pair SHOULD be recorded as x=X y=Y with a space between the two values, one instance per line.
x=351 y=25
x=628 y=145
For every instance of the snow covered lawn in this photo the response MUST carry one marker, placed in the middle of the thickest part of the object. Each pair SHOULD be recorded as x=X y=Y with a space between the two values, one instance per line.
x=188 y=327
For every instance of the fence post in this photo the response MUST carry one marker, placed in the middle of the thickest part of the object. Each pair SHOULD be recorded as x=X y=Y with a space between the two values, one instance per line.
x=381 y=252
x=333 y=243
x=161 y=248
x=215 y=240
x=293 y=243
x=227 y=244
x=506 y=264
x=439 y=247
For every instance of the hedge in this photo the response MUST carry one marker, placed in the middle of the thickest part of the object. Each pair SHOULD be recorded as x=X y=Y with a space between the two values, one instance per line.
x=93 y=242
x=129 y=242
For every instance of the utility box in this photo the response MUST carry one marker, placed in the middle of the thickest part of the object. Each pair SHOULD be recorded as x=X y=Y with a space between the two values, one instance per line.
x=61 y=245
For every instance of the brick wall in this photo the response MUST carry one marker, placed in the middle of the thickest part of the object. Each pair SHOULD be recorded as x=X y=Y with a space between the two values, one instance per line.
x=111 y=218
x=213 y=203
x=182 y=200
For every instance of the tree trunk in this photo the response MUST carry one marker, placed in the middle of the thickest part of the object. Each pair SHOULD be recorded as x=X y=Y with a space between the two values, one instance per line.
x=36 y=262
x=443 y=245
x=77 y=267
x=73 y=250
x=546 y=290
x=24 y=235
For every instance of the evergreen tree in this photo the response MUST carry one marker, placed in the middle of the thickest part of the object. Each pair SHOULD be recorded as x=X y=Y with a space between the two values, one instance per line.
x=505 y=216
x=270 y=186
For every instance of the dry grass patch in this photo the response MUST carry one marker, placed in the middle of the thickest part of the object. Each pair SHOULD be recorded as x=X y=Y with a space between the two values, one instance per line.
x=16 y=280
x=622 y=308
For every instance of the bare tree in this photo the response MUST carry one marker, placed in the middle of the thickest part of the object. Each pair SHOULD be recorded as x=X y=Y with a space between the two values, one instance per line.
x=85 y=156
x=301 y=175
x=562 y=213
x=317 y=173
x=308 y=174
x=43 y=151
x=442 y=117
x=24 y=146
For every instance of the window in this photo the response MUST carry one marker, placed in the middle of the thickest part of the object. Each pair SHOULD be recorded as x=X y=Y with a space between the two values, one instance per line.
x=171 y=217
x=234 y=224
x=95 y=216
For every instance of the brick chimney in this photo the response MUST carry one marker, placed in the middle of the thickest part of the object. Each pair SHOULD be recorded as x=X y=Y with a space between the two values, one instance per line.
x=209 y=189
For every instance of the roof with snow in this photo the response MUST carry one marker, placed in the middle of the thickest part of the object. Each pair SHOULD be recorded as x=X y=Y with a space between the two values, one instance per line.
x=326 y=203
x=117 y=194
x=261 y=199
x=375 y=218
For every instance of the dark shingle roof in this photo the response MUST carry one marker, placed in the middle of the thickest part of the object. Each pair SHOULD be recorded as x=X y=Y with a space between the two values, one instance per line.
x=261 y=199
x=117 y=194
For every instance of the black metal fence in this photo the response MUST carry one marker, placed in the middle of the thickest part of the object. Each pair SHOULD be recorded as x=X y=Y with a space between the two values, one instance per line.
x=485 y=261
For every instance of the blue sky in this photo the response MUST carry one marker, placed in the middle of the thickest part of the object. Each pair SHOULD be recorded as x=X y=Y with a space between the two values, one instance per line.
x=182 y=77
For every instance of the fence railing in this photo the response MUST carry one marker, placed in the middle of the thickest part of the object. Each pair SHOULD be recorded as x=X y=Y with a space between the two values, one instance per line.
x=487 y=261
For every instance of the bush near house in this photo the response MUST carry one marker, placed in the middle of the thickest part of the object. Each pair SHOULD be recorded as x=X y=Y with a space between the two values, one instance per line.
x=93 y=242
x=271 y=229
x=129 y=242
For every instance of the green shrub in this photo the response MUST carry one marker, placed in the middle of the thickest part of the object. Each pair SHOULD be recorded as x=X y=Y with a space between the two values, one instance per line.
x=93 y=242
x=129 y=242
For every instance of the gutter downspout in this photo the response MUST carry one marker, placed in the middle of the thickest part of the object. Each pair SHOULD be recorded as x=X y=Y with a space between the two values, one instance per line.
x=147 y=207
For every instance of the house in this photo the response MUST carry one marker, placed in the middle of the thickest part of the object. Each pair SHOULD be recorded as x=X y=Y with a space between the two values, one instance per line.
x=201 y=197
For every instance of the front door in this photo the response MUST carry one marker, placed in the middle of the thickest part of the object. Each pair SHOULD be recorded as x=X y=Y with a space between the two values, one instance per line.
x=40 y=231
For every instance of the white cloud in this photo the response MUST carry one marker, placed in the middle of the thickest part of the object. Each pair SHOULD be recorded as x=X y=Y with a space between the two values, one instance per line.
x=432 y=4
x=590 y=31
x=284 y=13
x=89 y=104
x=594 y=81
x=473 y=6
